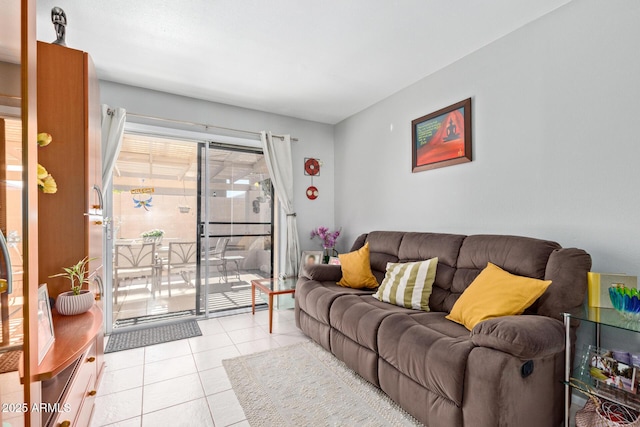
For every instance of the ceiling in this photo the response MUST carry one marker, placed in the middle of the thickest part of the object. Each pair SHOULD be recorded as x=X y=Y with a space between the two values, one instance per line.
x=172 y=166
x=322 y=60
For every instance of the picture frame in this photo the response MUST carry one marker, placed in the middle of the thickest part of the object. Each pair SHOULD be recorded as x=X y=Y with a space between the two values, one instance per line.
x=442 y=138
x=334 y=260
x=310 y=258
x=608 y=369
x=598 y=285
x=46 y=334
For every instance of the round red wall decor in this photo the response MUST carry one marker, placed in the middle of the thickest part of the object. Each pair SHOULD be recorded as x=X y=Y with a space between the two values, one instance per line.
x=312 y=193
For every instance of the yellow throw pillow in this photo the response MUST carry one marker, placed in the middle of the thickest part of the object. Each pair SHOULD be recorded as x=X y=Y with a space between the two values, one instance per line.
x=356 y=269
x=496 y=293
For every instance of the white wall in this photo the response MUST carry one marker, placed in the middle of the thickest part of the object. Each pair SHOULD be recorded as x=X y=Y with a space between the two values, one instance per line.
x=555 y=145
x=314 y=140
x=555 y=141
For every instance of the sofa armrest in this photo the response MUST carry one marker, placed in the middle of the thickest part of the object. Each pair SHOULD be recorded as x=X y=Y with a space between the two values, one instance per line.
x=526 y=337
x=322 y=272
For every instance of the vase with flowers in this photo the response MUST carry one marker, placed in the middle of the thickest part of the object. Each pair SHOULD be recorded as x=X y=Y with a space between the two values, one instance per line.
x=328 y=239
x=77 y=300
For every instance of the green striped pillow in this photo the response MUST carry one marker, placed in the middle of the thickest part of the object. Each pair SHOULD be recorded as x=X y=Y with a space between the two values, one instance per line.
x=408 y=284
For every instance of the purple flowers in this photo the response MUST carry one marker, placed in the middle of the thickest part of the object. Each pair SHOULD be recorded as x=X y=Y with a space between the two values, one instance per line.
x=328 y=238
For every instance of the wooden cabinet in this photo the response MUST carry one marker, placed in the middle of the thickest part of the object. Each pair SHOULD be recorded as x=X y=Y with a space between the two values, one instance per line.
x=72 y=369
x=69 y=221
x=70 y=227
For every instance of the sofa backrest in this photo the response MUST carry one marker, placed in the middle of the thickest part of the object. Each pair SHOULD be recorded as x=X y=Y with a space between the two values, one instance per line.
x=462 y=258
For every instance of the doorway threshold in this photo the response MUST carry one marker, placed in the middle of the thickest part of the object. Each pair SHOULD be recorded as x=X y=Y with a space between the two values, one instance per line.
x=152 y=318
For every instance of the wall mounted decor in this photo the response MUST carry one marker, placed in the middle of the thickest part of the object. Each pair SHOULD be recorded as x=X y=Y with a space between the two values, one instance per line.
x=142 y=197
x=442 y=138
x=312 y=192
x=312 y=168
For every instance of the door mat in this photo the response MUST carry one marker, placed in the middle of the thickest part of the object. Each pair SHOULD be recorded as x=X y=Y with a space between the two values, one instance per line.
x=139 y=320
x=159 y=334
x=9 y=361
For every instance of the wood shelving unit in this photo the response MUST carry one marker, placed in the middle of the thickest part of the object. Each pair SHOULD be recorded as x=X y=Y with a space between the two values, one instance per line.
x=74 y=335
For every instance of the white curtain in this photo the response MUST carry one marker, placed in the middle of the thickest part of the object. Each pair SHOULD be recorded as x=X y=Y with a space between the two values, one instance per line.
x=277 y=154
x=112 y=130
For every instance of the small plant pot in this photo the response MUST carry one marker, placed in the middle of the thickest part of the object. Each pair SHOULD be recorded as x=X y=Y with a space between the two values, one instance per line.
x=69 y=304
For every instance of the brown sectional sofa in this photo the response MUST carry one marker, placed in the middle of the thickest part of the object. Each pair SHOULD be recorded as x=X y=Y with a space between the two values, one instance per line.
x=434 y=368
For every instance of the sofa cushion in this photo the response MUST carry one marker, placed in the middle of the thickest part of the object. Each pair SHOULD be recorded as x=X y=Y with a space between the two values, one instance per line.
x=417 y=347
x=408 y=284
x=321 y=272
x=496 y=293
x=567 y=268
x=525 y=337
x=356 y=269
x=315 y=298
x=523 y=256
x=384 y=248
x=359 y=318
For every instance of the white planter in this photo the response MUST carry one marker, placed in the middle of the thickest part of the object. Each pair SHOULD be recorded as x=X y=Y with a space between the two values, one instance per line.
x=69 y=304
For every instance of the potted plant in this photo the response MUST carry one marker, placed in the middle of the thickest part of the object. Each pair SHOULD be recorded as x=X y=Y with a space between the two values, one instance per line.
x=328 y=241
x=77 y=300
x=154 y=235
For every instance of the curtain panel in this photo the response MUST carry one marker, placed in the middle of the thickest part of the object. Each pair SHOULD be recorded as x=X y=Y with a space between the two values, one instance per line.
x=277 y=154
x=113 y=120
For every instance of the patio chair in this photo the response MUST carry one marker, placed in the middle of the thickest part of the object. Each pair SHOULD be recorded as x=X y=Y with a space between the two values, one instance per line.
x=217 y=257
x=182 y=258
x=133 y=261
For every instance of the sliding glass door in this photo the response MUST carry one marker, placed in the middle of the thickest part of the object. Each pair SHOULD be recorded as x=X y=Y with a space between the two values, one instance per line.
x=191 y=228
x=154 y=230
x=235 y=211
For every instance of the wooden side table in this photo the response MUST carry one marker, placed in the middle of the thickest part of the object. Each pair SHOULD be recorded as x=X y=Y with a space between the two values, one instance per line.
x=272 y=287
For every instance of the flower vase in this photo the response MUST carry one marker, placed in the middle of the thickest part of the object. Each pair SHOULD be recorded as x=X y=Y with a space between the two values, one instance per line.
x=328 y=253
x=69 y=304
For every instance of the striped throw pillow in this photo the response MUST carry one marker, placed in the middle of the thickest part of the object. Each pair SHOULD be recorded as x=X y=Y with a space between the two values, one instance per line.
x=408 y=284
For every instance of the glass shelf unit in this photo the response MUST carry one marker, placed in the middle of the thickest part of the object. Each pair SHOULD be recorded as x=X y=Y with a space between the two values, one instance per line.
x=580 y=378
x=607 y=317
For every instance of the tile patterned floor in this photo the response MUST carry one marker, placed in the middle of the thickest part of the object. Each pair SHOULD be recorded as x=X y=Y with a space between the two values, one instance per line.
x=136 y=299
x=184 y=382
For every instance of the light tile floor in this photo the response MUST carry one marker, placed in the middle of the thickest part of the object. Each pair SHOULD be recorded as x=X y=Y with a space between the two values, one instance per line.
x=183 y=382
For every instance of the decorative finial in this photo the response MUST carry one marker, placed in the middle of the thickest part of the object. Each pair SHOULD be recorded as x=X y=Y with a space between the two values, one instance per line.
x=59 y=19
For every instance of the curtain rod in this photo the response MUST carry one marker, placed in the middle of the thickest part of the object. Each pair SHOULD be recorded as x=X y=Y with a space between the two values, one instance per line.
x=184 y=122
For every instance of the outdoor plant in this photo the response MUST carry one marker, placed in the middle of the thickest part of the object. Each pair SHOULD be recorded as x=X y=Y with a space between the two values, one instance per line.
x=77 y=274
x=156 y=232
x=328 y=238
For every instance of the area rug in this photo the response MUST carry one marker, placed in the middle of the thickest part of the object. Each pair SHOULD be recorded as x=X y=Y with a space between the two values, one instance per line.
x=304 y=385
x=143 y=337
x=9 y=361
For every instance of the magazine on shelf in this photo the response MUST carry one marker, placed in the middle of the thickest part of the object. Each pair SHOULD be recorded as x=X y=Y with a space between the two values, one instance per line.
x=605 y=368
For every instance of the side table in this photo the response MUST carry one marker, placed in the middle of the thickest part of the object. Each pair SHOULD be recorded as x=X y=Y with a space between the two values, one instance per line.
x=272 y=287
x=599 y=317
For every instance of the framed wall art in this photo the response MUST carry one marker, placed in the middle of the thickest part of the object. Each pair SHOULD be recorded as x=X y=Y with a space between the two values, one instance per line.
x=442 y=138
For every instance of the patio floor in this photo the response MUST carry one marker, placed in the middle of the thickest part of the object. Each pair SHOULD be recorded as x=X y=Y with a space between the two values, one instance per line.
x=135 y=298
